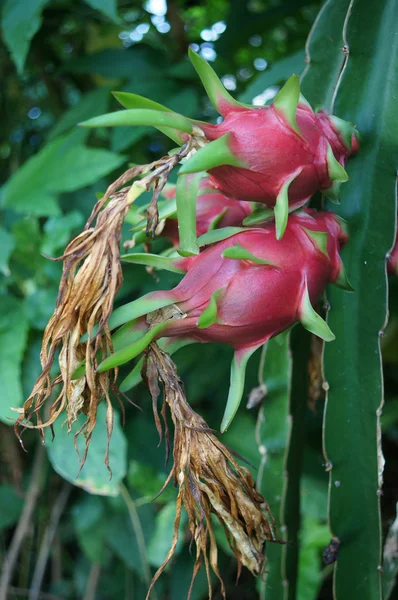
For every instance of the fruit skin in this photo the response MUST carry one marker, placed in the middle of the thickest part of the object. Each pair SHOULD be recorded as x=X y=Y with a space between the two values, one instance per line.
x=256 y=301
x=273 y=152
x=213 y=210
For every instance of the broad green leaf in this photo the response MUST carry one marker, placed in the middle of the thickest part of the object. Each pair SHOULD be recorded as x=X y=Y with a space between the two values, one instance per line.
x=106 y=7
x=11 y=505
x=13 y=338
x=59 y=230
x=159 y=544
x=6 y=247
x=91 y=526
x=90 y=105
x=122 y=537
x=63 y=165
x=314 y=537
x=94 y=477
x=21 y=20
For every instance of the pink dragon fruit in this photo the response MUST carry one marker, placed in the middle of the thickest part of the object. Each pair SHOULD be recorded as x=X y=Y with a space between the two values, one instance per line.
x=213 y=210
x=244 y=290
x=279 y=155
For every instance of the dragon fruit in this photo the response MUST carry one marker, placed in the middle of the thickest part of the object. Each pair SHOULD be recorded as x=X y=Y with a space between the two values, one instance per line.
x=213 y=210
x=279 y=155
x=243 y=290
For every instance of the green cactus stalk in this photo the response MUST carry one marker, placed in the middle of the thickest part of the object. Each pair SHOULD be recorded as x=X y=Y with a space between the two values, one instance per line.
x=357 y=68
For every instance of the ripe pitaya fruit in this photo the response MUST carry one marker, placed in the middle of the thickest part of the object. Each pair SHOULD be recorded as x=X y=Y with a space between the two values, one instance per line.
x=279 y=155
x=244 y=290
x=213 y=211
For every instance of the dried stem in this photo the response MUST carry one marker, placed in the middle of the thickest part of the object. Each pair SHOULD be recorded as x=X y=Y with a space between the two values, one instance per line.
x=91 y=278
x=209 y=481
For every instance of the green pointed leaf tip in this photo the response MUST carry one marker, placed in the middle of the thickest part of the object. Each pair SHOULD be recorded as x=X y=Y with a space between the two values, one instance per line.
x=153 y=260
x=332 y=193
x=218 y=95
x=209 y=314
x=217 y=235
x=258 y=216
x=345 y=129
x=155 y=118
x=237 y=384
x=237 y=252
x=319 y=238
x=342 y=280
x=312 y=321
x=336 y=171
x=287 y=100
x=129 y=352
x=281 y=208
x=214 y=154
x=138 y=308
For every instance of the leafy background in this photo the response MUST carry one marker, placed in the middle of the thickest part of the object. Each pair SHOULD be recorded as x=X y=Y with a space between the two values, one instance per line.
x=93 y=537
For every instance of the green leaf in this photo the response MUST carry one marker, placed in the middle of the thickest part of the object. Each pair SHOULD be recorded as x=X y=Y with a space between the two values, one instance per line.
x=364 y=86
x=13 y=338
x=59 y=230
x=94 y=477
x=90 y=105
x=159 y=544
x=106 y=7
x=11 y=505
x=7 y=244
x=91 y=526
x=21 y=20
x=63 y=165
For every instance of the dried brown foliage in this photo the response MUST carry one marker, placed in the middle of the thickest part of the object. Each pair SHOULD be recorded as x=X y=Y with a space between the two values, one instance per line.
x=209 y=481
x=91 y=278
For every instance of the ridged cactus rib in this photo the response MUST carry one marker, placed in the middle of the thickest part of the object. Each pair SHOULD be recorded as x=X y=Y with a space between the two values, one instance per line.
x=273 y=433
x=357 y=89
x=212 y=155
x=286 y=101
x=236 y=386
